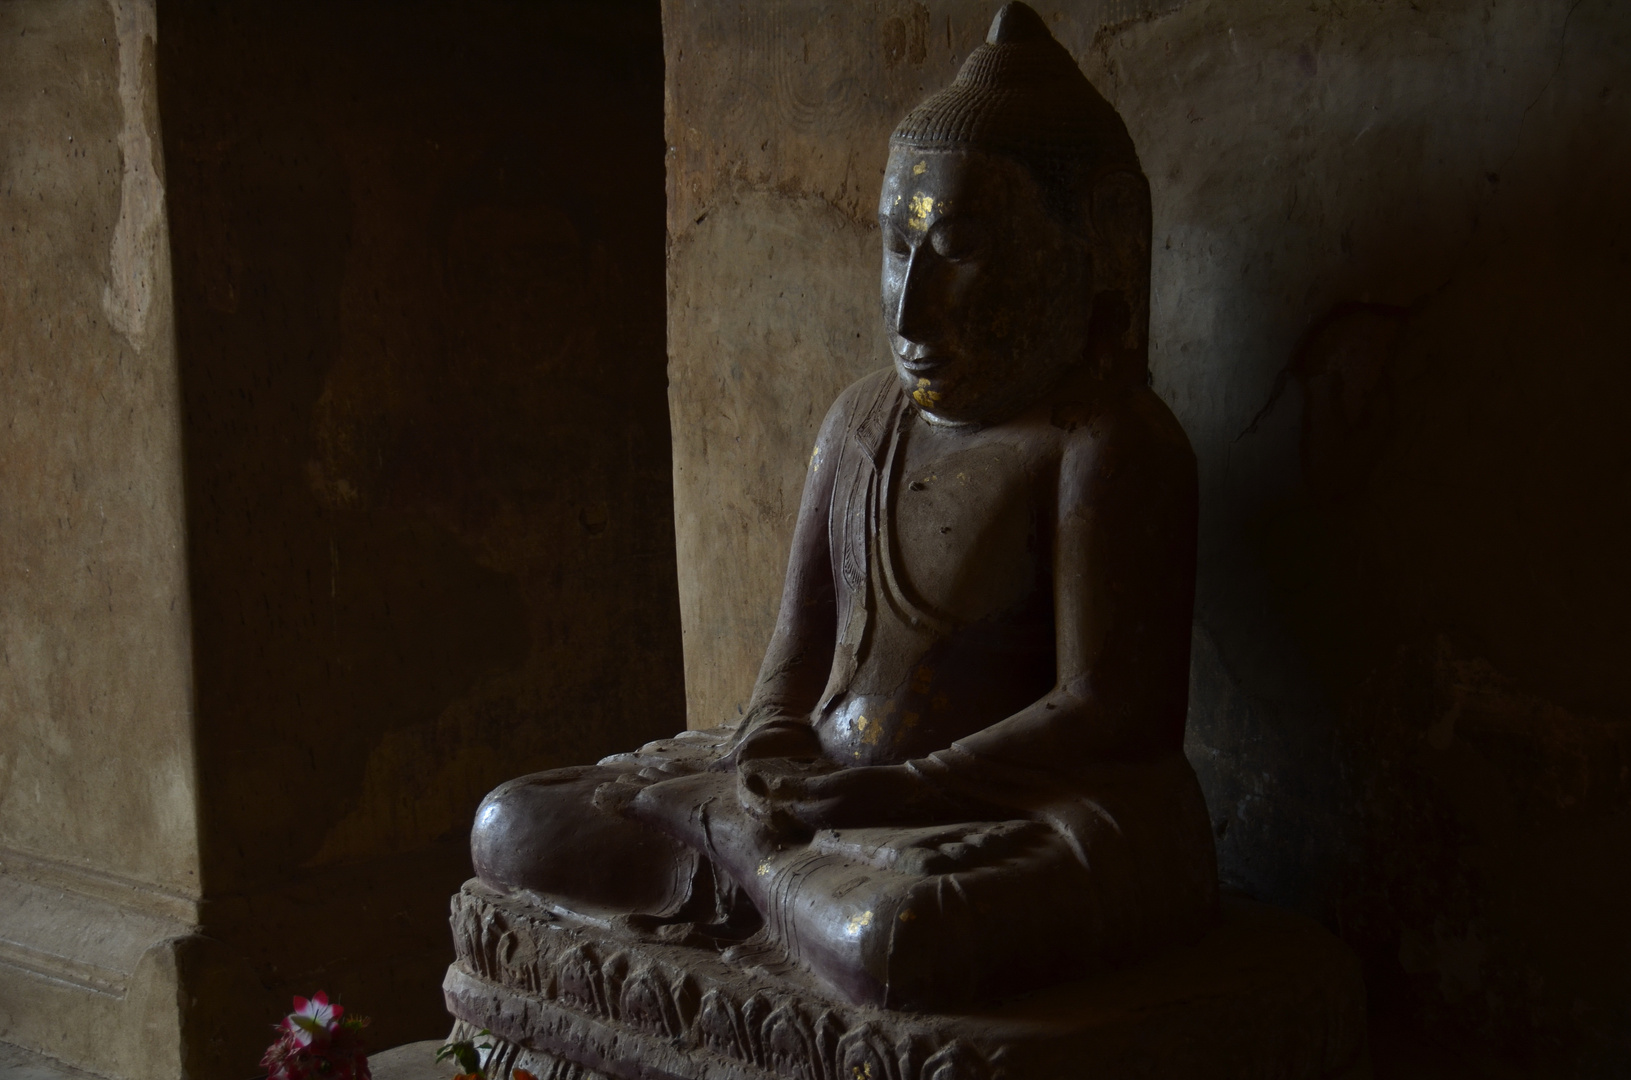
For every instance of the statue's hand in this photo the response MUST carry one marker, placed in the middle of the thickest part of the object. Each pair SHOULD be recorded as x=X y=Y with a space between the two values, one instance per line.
x=862 y=795
x=793 y=740
x=773 y=790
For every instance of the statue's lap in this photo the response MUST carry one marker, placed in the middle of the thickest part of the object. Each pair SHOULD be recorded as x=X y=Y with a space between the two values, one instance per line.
x=927 y=917
x=543 y=833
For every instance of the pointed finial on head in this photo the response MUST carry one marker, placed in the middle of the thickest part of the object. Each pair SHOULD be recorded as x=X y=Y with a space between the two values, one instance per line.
x=1021 y=92
x=1016 y=23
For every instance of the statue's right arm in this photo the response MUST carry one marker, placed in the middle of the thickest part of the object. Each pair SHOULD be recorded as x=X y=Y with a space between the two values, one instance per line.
x=800 y=656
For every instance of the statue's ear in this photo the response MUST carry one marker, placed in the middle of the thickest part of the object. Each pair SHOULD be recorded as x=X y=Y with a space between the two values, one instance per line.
x=1118 y=214
x=1119 y=197
x=1119 y=210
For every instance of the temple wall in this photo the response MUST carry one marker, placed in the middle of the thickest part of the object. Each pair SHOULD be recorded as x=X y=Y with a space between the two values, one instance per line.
x=99 y=858
x=1390 y=248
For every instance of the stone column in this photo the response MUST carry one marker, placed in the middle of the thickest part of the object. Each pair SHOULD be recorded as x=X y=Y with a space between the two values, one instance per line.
x=99 y=855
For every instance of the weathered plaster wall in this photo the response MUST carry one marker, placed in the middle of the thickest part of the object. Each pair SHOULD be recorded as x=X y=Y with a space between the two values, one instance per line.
x=95 y=765
x=1390 y=246
x=418 y=253
x=99 y=859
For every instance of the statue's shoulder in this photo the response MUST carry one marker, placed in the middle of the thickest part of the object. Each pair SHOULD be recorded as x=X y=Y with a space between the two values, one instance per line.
x=1155 y=422
x=871 y=392
x=864 y=408
x=1123 y=425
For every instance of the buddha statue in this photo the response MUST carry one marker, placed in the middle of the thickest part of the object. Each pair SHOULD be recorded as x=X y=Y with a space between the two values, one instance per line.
x=961 y=773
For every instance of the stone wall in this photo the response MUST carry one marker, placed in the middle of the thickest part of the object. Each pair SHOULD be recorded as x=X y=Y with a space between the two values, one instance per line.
x=1390 y=245
x=99 y=859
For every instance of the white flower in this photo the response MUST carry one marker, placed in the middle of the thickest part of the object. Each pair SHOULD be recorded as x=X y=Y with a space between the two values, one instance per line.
x=312 y=1019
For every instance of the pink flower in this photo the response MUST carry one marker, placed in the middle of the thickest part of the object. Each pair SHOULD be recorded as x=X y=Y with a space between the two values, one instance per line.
x=312 y=1019
x=315 y=1043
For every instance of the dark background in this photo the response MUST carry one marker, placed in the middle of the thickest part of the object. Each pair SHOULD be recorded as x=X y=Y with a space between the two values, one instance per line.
x=418 y=254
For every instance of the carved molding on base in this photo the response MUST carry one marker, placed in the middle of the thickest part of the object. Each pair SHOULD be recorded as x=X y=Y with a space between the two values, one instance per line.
x=508 y=1056
x=87 y=967
x=1267 y=995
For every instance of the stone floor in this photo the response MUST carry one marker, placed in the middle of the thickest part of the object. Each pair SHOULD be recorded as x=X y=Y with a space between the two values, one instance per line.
x=1394 y=1056
x=415 y=1061
x=19 y=1064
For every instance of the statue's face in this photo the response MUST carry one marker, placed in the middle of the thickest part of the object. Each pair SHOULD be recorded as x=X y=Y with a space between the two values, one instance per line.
x=985 y=297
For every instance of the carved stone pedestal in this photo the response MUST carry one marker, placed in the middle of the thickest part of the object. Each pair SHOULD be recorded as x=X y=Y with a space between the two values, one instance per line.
x=1267 y=996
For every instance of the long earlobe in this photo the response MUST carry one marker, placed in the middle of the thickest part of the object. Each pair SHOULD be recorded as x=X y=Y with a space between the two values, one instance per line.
x=1119 y=213
x=1106 y=330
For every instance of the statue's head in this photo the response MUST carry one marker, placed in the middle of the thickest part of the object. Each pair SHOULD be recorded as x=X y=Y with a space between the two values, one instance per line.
x=1016 y=231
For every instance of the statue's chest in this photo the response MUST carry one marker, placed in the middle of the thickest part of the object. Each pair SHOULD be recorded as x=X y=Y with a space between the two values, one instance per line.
x=965 y=524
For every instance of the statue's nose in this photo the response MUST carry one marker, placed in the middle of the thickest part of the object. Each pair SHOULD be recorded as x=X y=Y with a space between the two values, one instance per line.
x=915 y=314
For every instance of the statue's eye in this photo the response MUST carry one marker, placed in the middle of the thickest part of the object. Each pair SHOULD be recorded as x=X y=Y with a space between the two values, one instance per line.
x=956 y=241
x=895 y=244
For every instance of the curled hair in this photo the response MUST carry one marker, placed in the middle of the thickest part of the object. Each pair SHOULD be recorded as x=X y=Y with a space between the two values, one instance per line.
x=1021 y=95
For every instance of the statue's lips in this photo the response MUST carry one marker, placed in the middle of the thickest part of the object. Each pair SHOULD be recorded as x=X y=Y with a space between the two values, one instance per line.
x=923 y=366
